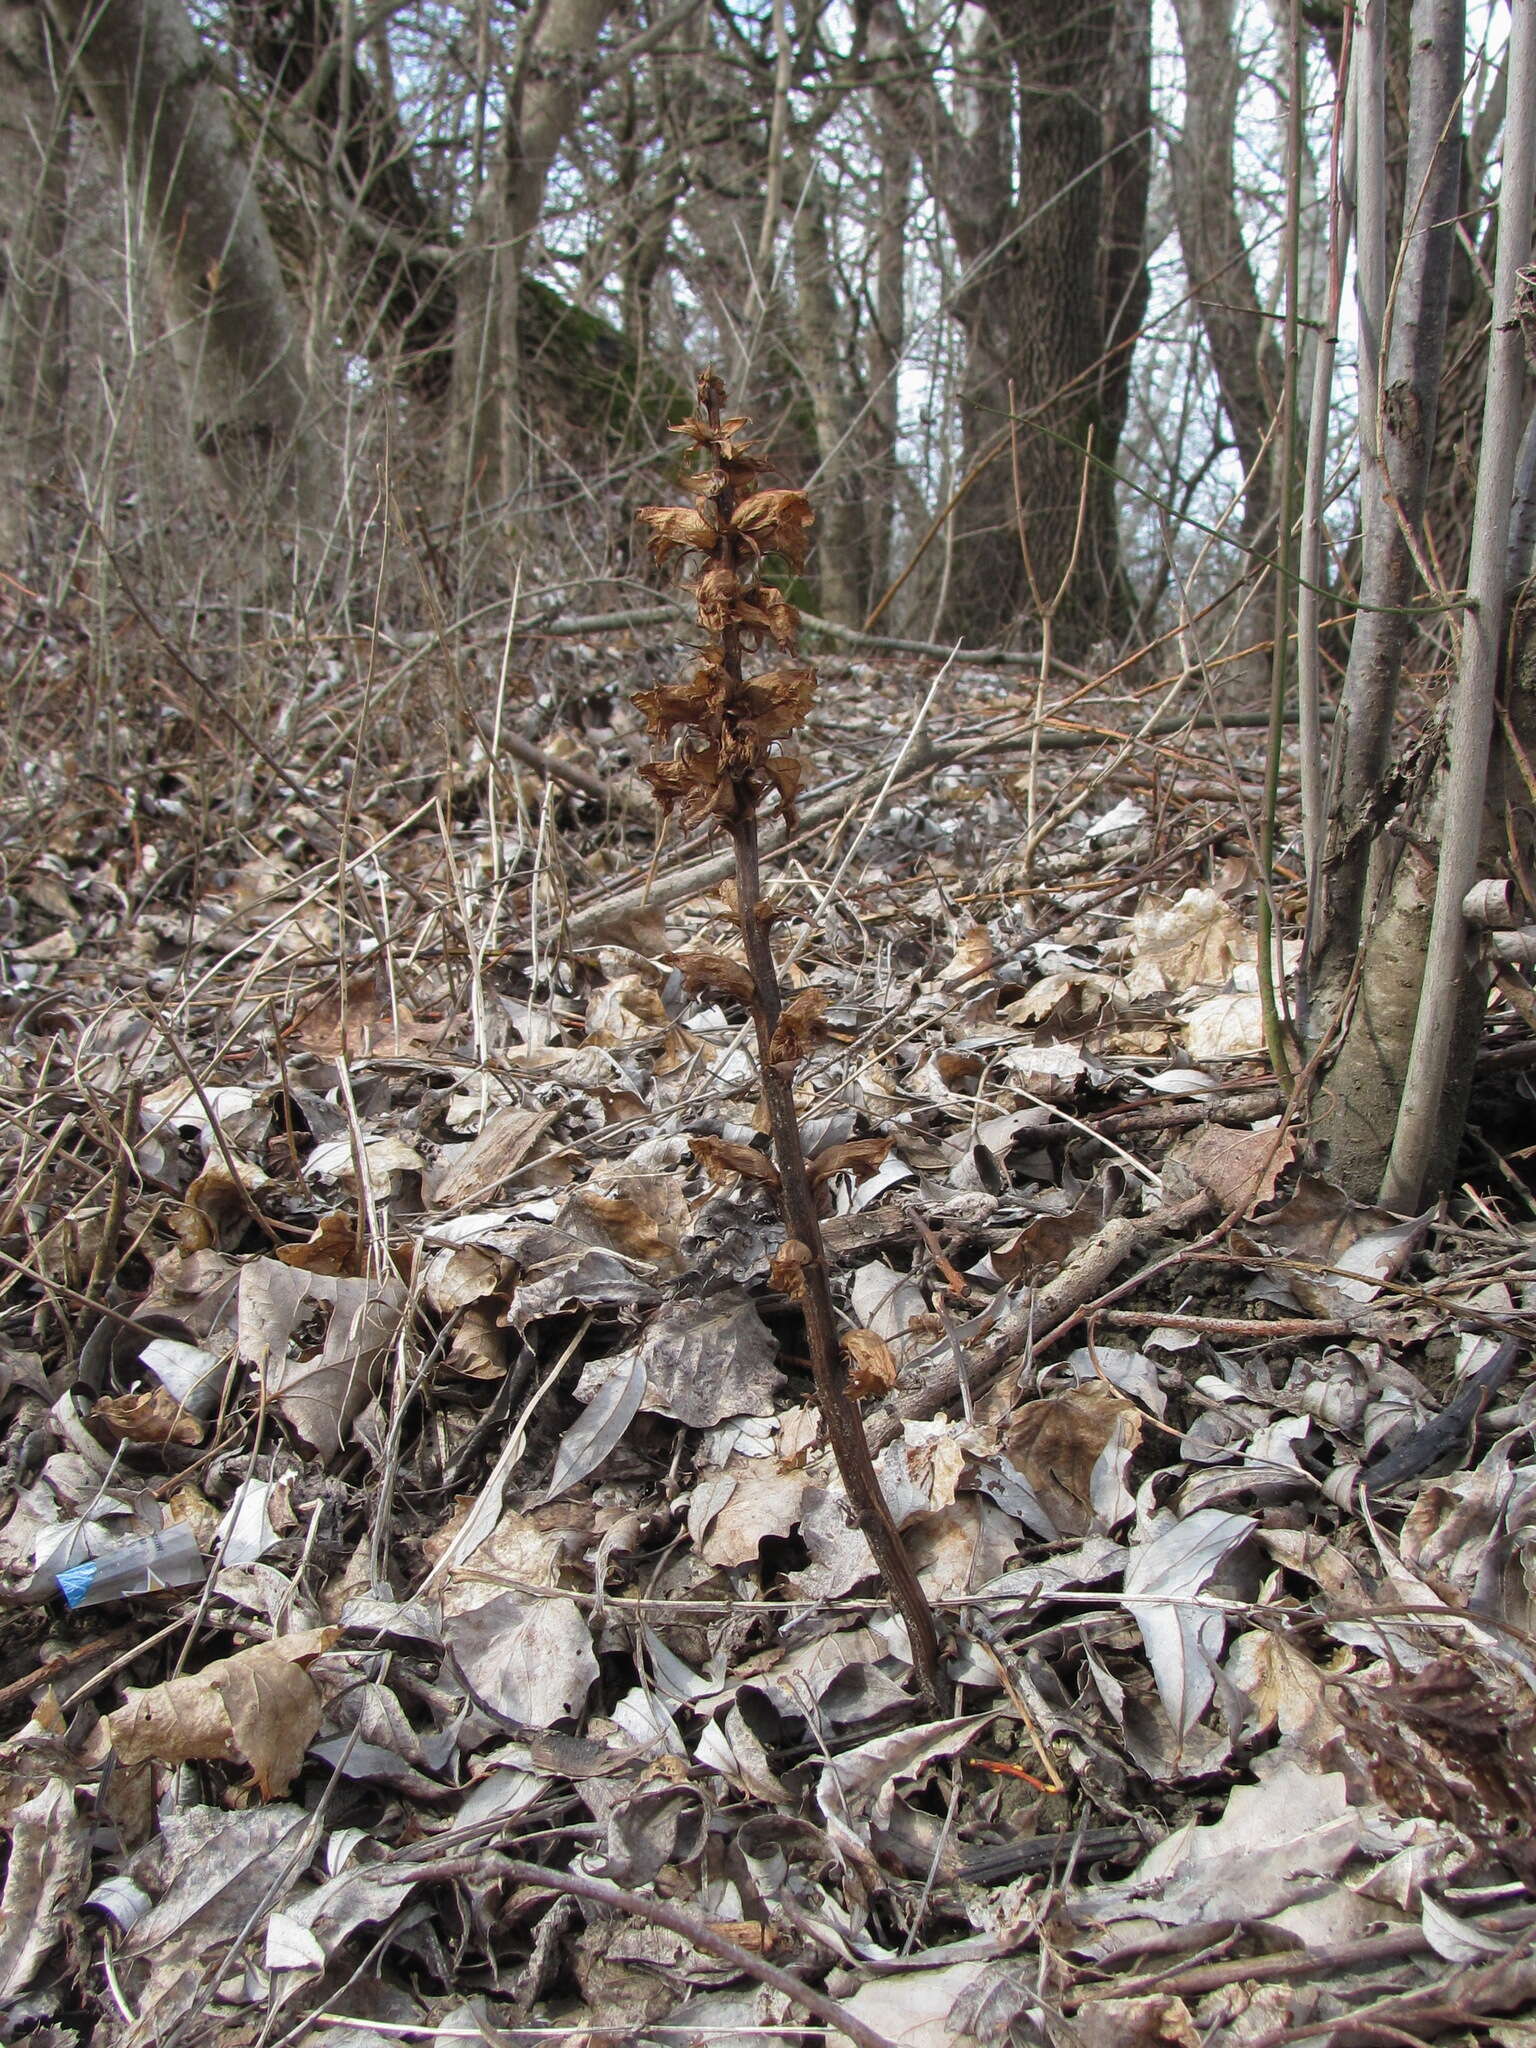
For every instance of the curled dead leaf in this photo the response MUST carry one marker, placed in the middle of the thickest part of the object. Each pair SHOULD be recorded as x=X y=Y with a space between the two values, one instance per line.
x=724 y=1161
x=768 y=612
x=786 y=1269
x=151 y=1417
x=715 y=973
x=799 y=1027
x=332 y=1247
x=259 y=1707
x=717 y=593
x=675 y=529
x=775 y=703
x=858 y=1156
x=871 y=1364
x=776 y=522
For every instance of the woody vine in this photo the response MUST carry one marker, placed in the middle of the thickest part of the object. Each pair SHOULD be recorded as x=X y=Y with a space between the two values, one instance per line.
x=727 y=733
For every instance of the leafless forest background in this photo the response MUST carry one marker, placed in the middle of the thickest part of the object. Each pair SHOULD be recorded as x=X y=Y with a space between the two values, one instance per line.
x=389 y=1248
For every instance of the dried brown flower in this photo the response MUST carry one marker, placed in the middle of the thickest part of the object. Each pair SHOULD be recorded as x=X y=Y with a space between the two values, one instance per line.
x=726 y=728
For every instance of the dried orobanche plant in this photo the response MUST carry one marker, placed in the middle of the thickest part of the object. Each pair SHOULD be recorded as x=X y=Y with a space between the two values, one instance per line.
x=727 y=733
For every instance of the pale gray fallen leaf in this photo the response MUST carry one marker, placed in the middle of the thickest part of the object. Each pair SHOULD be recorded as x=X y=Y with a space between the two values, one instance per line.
x=1181 y=1637
x=916 y=2008
x=863 y=1780
x=214 y=1871
x=1455 y=1939
x=1267 y=1851
x=600 y=1426
x=319 y=1395
x=526 y=1660
x=246 y=1533
x=46 y=1877
x=194 y=1376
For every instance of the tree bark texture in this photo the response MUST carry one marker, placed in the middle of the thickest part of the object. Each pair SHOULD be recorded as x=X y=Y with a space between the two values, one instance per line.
x=552 y=74
x=842 y=502
x=1244 y=353
x=146 y=79
x=34 y=293
x=1042 y=172
x=1372 y=924
x=399 y=284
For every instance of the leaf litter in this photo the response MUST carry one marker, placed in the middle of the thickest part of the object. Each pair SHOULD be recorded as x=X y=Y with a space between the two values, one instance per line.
x=431 y=1610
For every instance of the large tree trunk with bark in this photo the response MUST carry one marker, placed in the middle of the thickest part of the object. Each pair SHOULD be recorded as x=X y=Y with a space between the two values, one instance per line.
x=843 y=493
x=146 y=78
x=392 y=236
x=34 y=297
x=552 y=74
x=1042 y=174
x=1244 y=353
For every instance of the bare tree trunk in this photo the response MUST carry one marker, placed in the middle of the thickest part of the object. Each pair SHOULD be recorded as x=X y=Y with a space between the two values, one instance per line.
x=551 y=75
x=145 y=76
x=1370 y=929
x=842 y=558
x=885 y=341
x=1023 y=174
x=1243 y=350
x=34 y=295
x=391 y=236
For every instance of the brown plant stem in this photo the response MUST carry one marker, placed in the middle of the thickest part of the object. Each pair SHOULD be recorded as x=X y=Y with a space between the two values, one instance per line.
x=797 y=1202
x=839 y=1411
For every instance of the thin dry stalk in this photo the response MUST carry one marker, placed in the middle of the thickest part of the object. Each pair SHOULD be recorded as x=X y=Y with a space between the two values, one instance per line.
x=727 y=761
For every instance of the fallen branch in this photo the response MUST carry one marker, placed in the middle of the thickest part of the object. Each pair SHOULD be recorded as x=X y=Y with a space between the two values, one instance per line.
x=1046 y=1314
x=597 y=1891
x=603 y=913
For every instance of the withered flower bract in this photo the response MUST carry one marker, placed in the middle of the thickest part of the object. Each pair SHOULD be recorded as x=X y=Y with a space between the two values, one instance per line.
x=726 y=729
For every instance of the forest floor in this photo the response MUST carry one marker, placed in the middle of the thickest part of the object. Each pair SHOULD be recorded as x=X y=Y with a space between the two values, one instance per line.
x=378 y=1263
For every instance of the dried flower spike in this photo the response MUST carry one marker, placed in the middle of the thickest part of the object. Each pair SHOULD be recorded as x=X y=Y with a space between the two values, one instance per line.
x=727 y=730
x=727 y=733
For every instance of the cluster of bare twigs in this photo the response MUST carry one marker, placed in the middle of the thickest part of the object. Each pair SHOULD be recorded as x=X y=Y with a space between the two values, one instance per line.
x=724 y=765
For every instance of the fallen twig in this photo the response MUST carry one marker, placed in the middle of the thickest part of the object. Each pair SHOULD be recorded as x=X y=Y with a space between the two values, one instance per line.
x=484 y=1870
x=1028 y=1327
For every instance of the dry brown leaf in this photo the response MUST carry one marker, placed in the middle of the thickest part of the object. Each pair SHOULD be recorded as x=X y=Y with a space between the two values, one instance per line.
x=858 y=1156
x=259 y=1707
x=152 y=1417
x=1240 y=1168
x=1056 y=1443
x=644 y=1218
x=800 y=1026
x=716 y=593
x=770 y=613
x=332 y=1247
x=1194 y=943
x=675 y=529
x=509 y=1139
x=776 y=703
x=871 y=1364
x=360 y=1024
x=723 y=1161
x=972 y=958
x=715 y=973
x=777 y=523
x=478 y=1347
x=218 y=1205
x=786 y=1268
x=1045 y=1245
